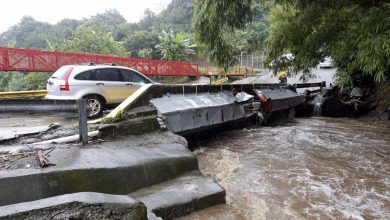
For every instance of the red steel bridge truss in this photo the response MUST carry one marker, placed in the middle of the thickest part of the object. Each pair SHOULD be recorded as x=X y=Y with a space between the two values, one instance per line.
x=15 y=59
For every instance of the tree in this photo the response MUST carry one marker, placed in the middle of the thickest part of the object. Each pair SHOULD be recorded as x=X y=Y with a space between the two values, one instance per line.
x=5 y=78
x=146 y=53
x=176 y=47
x=62 y=33
x=355 y=33
x=28 y=33
x=140 y=40
x=214 y=21
x=17 y=82
x=109 y=21
x=178 y=16
x=148 y=21
x=92 y=39
x=36 y=81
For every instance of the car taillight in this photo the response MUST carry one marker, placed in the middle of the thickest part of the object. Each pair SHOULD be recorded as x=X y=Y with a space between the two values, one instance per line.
x=65 y=87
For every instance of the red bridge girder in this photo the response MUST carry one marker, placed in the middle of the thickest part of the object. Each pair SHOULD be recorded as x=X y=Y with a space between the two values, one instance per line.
x=15 y=59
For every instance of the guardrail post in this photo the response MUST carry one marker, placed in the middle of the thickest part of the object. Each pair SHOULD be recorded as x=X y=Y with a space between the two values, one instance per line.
x=83 y=126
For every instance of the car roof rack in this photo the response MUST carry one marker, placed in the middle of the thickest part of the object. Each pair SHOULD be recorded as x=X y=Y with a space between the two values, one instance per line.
x=89 y=64
x=108 y=64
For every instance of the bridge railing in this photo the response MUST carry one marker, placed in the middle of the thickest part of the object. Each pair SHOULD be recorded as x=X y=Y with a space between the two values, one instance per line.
x=16 y=59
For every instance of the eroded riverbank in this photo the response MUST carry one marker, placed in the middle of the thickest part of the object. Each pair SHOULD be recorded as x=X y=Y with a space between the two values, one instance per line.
x=314 y=168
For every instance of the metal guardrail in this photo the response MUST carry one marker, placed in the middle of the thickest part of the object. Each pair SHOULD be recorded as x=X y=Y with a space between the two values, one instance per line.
x=23 y=94
x=307 y=85
x=37 y=105
x=27 y=106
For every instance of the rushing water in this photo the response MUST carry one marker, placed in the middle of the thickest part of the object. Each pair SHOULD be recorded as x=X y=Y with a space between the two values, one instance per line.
x=314 y=168
x=317 y=102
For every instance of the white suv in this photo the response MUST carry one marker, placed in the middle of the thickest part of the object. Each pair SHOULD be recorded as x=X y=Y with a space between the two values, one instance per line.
x=101 y=85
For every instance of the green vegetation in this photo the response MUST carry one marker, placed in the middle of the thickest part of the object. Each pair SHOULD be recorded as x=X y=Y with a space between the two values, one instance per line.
x=120 y=116
x=175 y=47
x=229 y=27
x=92 y=39
x=215 y=22
x=355 y=33
x=16 y=81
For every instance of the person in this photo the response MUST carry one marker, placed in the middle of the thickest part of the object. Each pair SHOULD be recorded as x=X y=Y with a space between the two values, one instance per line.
x=283 y=77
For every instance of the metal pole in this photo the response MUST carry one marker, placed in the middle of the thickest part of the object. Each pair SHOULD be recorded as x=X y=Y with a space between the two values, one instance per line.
x=83 y=126
x=241 y=59
x=262 y=58
x=252 y=59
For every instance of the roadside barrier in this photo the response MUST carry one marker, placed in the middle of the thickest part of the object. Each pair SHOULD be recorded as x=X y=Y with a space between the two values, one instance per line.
x=23 y=94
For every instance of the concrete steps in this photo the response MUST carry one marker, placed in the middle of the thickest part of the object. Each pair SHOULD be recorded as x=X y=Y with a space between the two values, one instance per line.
x=117 y=167
x=156 y=169
x=181 y=196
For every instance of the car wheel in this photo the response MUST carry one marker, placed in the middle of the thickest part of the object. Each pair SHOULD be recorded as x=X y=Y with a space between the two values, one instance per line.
x=96 y=106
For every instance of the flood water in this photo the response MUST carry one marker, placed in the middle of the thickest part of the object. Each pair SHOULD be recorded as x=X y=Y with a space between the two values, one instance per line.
x=307 y=168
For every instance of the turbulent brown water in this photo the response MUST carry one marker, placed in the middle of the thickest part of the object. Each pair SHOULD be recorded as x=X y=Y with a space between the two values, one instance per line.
x=314 y=168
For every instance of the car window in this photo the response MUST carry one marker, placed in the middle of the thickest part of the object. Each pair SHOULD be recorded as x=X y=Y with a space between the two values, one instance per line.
x=87 y=75
x=131 y=76
x=60 y=73
x=106 y=74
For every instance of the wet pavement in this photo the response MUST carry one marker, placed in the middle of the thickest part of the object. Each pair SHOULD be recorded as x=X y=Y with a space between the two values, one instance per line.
x=307 y=168
x=19 y=129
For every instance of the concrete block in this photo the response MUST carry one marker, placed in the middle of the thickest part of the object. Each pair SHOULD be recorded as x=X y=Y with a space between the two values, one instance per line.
x=129 y=127
x=181 y=196
x=116 y=167
x=84 y=205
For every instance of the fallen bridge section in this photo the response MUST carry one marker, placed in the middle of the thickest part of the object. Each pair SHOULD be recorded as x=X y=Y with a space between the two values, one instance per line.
x=185 y=109
x=187 y=113
x=147 y=92
x=282 y=98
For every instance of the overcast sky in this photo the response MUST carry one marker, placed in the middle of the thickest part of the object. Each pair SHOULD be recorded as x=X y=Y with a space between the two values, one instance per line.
x=52 y=11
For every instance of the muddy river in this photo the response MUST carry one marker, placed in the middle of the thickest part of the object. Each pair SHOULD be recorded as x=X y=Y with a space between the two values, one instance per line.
x=314 y=168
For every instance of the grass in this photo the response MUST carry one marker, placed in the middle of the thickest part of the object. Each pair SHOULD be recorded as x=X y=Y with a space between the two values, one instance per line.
x=120 y=116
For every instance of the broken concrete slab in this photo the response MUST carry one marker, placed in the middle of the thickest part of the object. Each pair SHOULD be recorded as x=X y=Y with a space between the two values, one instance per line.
x=11 y=133
x=141 y=111
x=181 y=196
x=84 y=205
x=13 y=149
x=116 y=167
x=135 y=126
